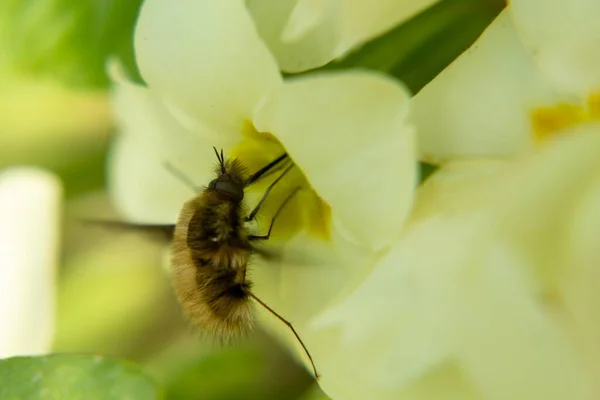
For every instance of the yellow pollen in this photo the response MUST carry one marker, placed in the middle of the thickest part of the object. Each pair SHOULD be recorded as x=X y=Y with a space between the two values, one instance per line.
x=593 y=105
x=548 y=121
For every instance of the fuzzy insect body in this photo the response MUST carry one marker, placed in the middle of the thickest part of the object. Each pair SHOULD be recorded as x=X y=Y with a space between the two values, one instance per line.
x=210 y=255
x=212 y=247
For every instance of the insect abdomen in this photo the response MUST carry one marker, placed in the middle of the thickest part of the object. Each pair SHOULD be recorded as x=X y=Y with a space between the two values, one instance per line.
x=210 y=257
x=231 y=306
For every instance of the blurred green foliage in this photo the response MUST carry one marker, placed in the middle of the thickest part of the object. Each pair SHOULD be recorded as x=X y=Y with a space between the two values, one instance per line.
x=224 y=376
x=74 y=376
x=66 y=40
x=114 y=298
x=52 y=65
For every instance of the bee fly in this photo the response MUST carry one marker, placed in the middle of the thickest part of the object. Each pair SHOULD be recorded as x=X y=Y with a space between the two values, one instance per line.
x=212 y=246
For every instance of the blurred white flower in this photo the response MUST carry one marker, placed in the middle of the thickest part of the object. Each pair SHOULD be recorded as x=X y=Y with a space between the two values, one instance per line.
x=532 y=73
x=29 y=243
x=213 y=82
x=306 y=34
x=491 y=293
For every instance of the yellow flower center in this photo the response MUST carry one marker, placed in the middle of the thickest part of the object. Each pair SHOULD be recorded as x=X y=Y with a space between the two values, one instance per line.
x=548 y=121
x=305 y=211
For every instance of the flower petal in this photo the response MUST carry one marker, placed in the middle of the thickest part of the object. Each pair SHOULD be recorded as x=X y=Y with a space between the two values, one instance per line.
x=29 y=242
x=348 y=133
x=456 y=291
x=328 y=268
x=205 y=57
x=304 y=17
x=140 y=112
x=562 y=36
x=283 y=286
x=306 y=34
x=143 y=188
x=460 y=187
x=512 y=347
x=385 y=356
x=301 y=34
x=581 y=289
x=480 y=104
x=546 y=189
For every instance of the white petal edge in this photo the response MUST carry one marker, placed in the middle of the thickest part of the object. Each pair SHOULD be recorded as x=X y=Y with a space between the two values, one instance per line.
x=479 y=105
x=460 y=187
x=562 y=36
x=307 y=34
x=300 y=35
x=305 y=16
x=143 y=189
x=348 y=133
x=206 y=58
x=30 y=211
x=138 y=110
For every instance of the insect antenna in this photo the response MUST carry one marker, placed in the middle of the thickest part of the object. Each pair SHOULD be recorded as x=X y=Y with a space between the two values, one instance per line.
x=183 y=178
x=221 y=159
x=289 y=325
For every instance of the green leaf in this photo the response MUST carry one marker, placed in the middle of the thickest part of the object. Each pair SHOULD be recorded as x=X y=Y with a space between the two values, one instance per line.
x=314 y=393
x=195 y=370
x=66 y=40
x=220 y=376
x=74 y=376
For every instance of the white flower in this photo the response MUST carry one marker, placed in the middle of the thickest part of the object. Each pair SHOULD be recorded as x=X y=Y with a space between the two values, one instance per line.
x=533 y=72
x=212 y=82
x=29 y=236
x=305 y=34
x=492 y=292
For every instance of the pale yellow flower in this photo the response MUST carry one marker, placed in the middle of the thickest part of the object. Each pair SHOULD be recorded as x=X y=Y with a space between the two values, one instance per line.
x=534 y=72
x=305 y=34
x=491 y=293
x=213 y=82
x=29 y=240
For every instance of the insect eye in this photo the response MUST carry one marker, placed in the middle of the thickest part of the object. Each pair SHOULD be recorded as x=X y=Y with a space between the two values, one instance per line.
x=227 y=186
x=231 y=188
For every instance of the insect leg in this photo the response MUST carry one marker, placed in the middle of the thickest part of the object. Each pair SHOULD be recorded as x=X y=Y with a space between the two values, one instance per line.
x=266 y=194
x=279 y=210
x=180 y=175
x=289 y=325
x=261 y=172
x=160 y=230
